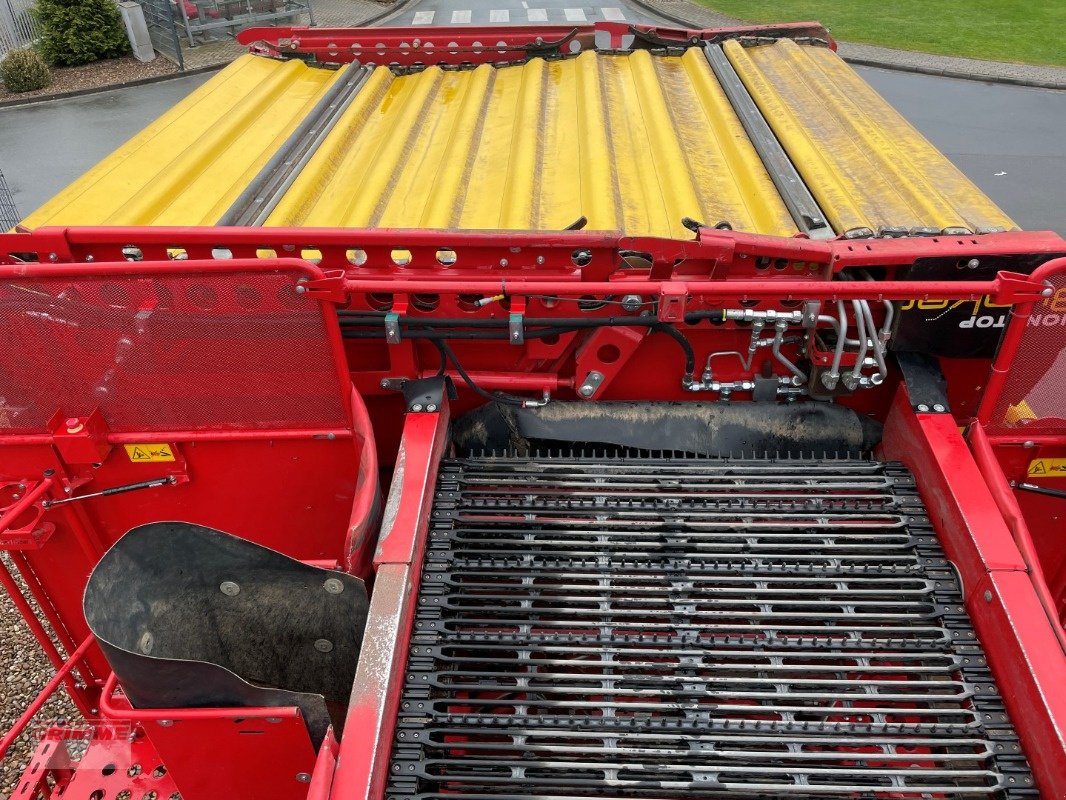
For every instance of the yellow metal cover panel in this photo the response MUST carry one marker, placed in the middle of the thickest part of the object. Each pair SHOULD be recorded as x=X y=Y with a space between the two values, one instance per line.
x=188 y=166
x=863 y=162
x=632 y=142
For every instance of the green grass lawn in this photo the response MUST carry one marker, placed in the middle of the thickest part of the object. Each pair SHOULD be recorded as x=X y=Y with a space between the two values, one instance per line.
x=1026 y=31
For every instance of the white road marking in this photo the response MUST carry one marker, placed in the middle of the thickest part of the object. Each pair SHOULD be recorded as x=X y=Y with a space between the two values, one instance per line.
x=460 y=18
x=537 y=14
x=575 y=14
x=499 y=15
x=525 y=4
x=424 y=17
x=613 y=14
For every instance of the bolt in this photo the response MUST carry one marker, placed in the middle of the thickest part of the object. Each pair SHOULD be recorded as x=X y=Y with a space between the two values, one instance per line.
x=166 y=723
x=53 y=257
x=540 y=259
x=923 y=407
x=1047 y=292
x=300 y=288
x=586 y=390
x=333 y=586
x=416 y=407
x=303 y=777
x=973 y=263
x=1028 y=445
x=89 y=258
x=384 y=383
x=503 y=262
x=146 y=643
x=323 y=645
x=431 y=408
x=988 y=596
x=939 y=407
x=631 y=302
x=229 y=588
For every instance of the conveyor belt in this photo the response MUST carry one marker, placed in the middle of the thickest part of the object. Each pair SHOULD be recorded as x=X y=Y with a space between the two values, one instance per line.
x=676 y=628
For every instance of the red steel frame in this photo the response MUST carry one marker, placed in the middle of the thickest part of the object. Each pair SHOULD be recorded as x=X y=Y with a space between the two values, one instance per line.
x=690 y=275
x=486 y=44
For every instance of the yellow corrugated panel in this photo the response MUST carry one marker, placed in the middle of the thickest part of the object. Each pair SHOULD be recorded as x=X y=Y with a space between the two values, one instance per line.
x=633 y=142
x=188 y=166
x=863 y=162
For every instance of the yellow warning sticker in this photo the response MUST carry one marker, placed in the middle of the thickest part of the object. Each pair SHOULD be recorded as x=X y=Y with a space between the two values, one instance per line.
x=1047 y=468
x=149 y=453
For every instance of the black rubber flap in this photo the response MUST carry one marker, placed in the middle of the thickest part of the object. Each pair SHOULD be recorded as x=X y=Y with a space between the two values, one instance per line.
x=189 y=617
x=713 y=429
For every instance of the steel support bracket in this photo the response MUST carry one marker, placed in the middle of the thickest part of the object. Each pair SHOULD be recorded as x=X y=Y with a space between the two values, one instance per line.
x=428 y=394
x=330 y=288
x=392 y=327
x=672 y=299
x=1013 y=287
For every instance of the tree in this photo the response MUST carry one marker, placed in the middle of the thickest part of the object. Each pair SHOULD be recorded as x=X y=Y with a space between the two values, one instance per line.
x=79 y=31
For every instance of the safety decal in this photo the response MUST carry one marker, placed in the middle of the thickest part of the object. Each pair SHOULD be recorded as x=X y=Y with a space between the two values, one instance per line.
x=151 y=453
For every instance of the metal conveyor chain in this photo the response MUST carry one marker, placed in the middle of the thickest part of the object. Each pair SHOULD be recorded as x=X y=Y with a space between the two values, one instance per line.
x=675 y=628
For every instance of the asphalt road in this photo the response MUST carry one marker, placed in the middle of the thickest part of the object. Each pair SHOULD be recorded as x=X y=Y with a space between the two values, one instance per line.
x=1006 y=138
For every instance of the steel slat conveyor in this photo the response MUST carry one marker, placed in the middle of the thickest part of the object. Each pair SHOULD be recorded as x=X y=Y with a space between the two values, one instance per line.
x=673 y=628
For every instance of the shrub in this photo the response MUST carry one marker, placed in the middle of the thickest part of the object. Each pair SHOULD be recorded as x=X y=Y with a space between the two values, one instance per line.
x=79 y=31
x=24 y=70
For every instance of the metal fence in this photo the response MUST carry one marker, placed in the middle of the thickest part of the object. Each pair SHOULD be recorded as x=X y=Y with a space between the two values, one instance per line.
x=18 y=28
x=161 y=18
x=9 y=215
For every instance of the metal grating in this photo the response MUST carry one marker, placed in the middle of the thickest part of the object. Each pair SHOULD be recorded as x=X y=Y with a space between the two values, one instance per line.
x=677 y=628
x=168 y=352
x=1032 y=398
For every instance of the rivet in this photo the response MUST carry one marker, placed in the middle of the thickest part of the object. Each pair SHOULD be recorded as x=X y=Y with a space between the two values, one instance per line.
x=333 y=586
x=939 y=407
x=303 y=777
x=166 y=723
x=229 y=588
x=323 y=645
x=988 y=596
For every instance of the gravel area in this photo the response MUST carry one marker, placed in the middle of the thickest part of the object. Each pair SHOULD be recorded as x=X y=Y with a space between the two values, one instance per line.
x=24 y=669
x=99 y=73
x=689 y=13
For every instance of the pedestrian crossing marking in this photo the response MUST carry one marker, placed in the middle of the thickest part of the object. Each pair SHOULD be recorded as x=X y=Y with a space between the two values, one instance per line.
x=424 y=17
x=499 y=15
x=613 y=14
x=575 y=14
x=537 y=14
x=461 y=17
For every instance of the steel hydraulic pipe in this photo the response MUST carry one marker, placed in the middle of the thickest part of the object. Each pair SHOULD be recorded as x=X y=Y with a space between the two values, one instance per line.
x=826 y=290
x=42 y=697
x=192 y=436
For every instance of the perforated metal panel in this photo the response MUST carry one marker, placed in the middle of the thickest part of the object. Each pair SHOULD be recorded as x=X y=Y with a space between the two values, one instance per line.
x=1033 y=396
x=159 y=352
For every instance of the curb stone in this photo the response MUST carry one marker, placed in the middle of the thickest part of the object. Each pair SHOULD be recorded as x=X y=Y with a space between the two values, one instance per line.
x=373 y=19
